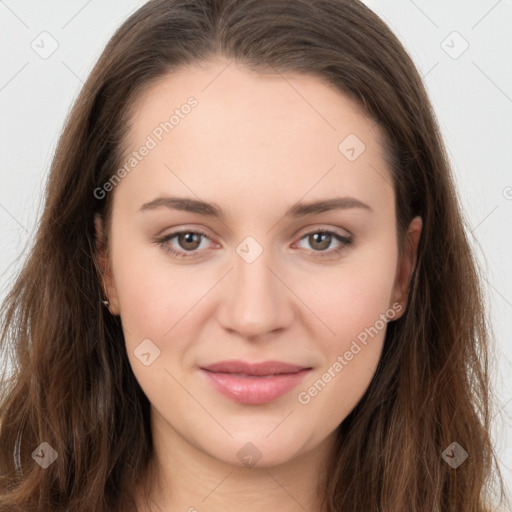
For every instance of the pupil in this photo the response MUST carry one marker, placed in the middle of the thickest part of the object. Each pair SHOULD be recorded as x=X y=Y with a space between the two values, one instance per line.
x=317 y=239
x=189 y=239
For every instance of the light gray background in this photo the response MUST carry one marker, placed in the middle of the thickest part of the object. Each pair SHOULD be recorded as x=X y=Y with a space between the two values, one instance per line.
x=471 y=93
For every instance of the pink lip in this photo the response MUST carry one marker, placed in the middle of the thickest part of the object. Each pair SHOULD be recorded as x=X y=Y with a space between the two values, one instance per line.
x=254 y=383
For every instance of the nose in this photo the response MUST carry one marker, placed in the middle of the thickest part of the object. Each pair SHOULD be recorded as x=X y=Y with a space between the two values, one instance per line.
x=255 y=301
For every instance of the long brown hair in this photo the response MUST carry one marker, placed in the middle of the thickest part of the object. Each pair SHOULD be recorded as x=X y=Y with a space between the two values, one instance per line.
x=71 y=384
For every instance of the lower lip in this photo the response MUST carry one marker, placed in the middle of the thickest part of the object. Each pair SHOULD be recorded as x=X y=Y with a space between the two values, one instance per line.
x=247 y=389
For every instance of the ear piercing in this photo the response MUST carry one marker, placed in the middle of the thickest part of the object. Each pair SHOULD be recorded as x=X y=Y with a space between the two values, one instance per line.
x=105 y=301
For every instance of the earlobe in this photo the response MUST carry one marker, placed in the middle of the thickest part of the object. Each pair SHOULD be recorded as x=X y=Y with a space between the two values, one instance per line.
x=109 y=297
x=407 y=263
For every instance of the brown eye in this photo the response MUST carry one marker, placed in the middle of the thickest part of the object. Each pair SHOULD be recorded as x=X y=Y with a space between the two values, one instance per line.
x=324 y=243
x=184 y=244
x=189 y=241
x=320 y=241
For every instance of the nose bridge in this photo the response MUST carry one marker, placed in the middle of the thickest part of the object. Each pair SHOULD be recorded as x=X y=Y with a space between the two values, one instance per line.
x=257 y=302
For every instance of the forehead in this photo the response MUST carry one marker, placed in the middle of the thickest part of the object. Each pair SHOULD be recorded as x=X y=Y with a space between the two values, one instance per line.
x=273 y=135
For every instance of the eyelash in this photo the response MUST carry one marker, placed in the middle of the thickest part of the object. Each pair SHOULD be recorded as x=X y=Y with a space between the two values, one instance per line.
x=162 y=242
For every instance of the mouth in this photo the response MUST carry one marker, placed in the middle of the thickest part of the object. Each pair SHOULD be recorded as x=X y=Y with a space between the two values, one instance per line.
x=254 y=383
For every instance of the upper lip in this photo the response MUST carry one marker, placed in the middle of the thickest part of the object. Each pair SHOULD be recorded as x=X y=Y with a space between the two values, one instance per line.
x=246 y=368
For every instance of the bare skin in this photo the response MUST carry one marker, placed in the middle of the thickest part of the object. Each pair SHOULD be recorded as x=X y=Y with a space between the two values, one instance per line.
x=255 y=145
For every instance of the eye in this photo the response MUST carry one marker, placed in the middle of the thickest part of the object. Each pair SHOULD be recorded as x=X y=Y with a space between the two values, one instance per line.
x=322 y=239
x=188 y=241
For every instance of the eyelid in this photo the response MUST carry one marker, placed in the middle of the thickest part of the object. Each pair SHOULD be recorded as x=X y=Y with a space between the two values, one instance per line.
x=323 y=228
x=310 y=230
x=163 y=239
x=344 y=241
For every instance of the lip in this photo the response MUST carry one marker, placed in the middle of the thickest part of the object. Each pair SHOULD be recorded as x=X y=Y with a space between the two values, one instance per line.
x=254 y=383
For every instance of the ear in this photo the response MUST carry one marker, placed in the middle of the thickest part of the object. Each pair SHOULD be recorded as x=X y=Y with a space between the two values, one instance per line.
x=406 y=265
x=104 y=267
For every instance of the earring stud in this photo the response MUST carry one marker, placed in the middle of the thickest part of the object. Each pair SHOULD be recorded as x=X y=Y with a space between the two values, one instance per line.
x=106 y=303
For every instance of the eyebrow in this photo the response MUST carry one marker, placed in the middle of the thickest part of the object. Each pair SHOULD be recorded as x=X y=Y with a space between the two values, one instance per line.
x=213 y=210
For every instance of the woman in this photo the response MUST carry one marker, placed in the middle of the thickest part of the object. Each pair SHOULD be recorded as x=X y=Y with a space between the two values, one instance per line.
x=251 y=286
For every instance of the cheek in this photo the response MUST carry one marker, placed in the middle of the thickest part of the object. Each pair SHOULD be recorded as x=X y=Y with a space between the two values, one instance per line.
x=356 y=313
x=352 y=300
x=354 y=295
x=157 y=304
x=154 y=295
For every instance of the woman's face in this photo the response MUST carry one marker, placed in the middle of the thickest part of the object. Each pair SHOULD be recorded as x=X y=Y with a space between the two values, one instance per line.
x=258 y=165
